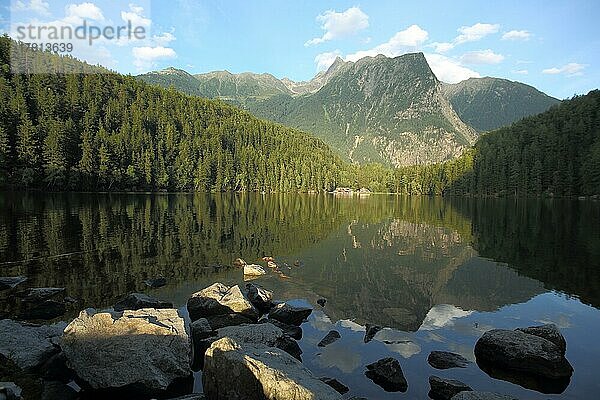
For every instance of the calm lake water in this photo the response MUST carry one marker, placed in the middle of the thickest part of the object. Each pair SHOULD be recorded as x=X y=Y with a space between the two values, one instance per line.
x=437 y=273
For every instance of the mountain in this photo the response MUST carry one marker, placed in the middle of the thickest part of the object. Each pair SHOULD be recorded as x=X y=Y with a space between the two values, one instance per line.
x=378 y=109
x=176 y=78
x=490 y=103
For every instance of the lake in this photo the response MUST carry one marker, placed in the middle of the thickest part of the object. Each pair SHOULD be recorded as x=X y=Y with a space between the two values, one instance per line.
x=436 y=272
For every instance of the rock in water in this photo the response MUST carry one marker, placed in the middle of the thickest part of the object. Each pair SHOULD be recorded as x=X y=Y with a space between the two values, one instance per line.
x=253 y=270
x=261 y=298
x=221 y=321
x=387 y=373
x=371 y=331
x=244 y=371
x=238 y=262
x=549 y=332
x=522 y=352
x=41 y=303
x=337 y=385
x=135 y=301
x=145 y=349
x=11 y=282
x=331 y=337
x=292 y=331
x=445 y=360
x=219 y=299
x=156 y=282
x=27 y=345
x=466 y=395
x=445 y=389
x=289 y=314
x=321 y=302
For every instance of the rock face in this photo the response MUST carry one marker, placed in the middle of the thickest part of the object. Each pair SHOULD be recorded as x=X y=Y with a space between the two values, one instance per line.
x=482 y=396
x=522 y=352
x=445 y=360
x=289 y=314
x=29 y=346
x=234 y=371
x=387 y=373
x=261 y=298
x=445 y=389
x=135 y=301
x=11 y=282
x=371 y=331
x=331 y=337
x=219 y=299
x=145 y=349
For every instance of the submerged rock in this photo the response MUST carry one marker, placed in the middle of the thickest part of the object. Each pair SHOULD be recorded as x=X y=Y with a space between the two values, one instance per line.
x=156 y=282
x=11 y=282
x=445 y=389
x=40 y=303
x=292 y=331
x=370 y=332
x=446 y=359
x=29 y=346
x=135 y=301
x=387 y=373
x=331 y=337
x=219 y=299
x=289 y=314
x=261 y=298
x=254 y=270
x=337 y=385
x=467 y=395
x=146 y=350
x=260 y=372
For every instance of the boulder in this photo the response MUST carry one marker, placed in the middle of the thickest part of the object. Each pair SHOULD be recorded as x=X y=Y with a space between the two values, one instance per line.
x=549 y=332
x=234 y=371
x=467 y=395
x=254 y=270
x=29 y=346
x=155 y=283
x=371 y=331
x=221 y=321
x=261 y=334
x=41 y=303
x=290 y=346
x=445 y=389
x=292 y=331
x=54 y=390
x=202 y=337
x=522 y=352
x=135 y=301
x=337 y=385
x=261 y=298
x=238 y=262
x=331 y=337
x=219 y=299
x=146 y=350
x=10 y=391
x=446 y=359
x=11 y=282
x=387 y=373
x=321 y=302
x=289 y=314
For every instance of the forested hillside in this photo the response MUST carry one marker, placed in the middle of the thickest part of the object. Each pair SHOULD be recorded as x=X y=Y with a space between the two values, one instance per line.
x=105 y=131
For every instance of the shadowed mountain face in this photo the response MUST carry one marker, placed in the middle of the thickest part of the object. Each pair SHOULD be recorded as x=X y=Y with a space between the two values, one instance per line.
x=384 y=259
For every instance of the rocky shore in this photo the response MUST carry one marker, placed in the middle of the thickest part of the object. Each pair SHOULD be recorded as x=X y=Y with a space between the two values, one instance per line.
x=243 y=340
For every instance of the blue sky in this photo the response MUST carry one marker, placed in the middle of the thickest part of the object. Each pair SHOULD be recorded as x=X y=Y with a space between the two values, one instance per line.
x=552 y=45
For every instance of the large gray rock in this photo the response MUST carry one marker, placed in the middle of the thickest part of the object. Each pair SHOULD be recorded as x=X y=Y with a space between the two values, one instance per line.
x=388 y=374
x=482 y=396
x=11 y=282
x=549 y=332
x=135 y=301
x=236 y=371
x=445 y=389
x=445 y=360
x=27 y=345
x=145 y=349
x=289 y=314
x=260 y=297
x=292 y=331
x=219 y=299
x=521 y=352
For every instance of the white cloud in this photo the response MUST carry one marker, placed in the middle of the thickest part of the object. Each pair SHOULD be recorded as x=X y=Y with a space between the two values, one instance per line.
x=402 y=42
x=481 y=57
x=76 y=13
x=324 y=60
x=571 y=69
x=449 y=70
x=521 y=72
x=164 y=39
x=338 y=25
x=516 y=35
x=136 y=16
x=442 y=47
x=37 y=6
x=146 y=57
x=475 y=32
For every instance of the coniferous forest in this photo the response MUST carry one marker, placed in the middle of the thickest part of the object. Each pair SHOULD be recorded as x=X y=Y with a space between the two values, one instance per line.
x=91 y=129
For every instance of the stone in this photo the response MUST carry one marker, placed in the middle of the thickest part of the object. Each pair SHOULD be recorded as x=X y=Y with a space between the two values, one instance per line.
x=290 y=346
x=331 y=337
x=521 y=352
x=29 y=346
x=387 y=373
x=254 y=270
x=371 y=331
x=11 y=282
x=201 y=329
x=155 y=283
x=238 y=262
x=445 y=389
x=234 y=371
x=467 y=395
x=292 y=331
x=219 y=299
x=261 y=298
x=10 y=391
x=268 y=259
x=337 y=385
x=146 y=350
x=289 y=314
x=221 y=321
x=54 y=390
x=40 y=303
x=549 y=332
x=135 y=301
x=261 y=334
x=446 y=359
x=321 y=302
